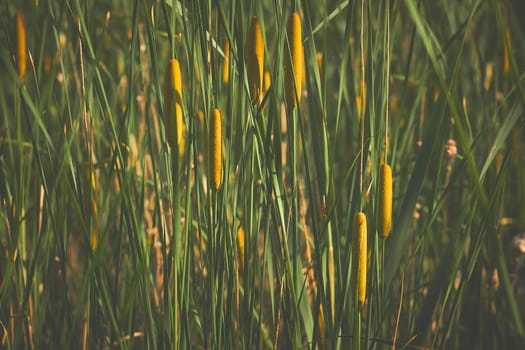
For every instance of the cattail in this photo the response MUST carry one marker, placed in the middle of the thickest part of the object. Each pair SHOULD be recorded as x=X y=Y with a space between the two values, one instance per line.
x=240 y=244
x=90 y=201
x=226 y=63
x=216 y=149
x=384 y=210
x=294 y=61
x=175 y=126
x=255 y=60
x=359 y=258
x=21 y=48
x=321 y=328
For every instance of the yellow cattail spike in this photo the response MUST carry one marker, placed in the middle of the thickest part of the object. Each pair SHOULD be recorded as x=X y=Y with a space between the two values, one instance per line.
x=175 y=126
x=255 y=60
x=359 y=258
x=226 y=63
x=384 y=210
x=21 y=48
x=240 y=244
x=294 y=61
x=320 y=326
x=216 y=149
x=90 y=201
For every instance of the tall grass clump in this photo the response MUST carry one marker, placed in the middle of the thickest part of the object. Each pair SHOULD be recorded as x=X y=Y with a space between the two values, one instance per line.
x=262 y=175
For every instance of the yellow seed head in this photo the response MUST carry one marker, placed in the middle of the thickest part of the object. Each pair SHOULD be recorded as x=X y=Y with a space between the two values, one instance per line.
x=359 y=256
x=294 y=61
x=240 y=244
x=21 y=48
x=216 y=149
x=226 y=63
x=384 y=210
x=175 y=126
x=255 y=60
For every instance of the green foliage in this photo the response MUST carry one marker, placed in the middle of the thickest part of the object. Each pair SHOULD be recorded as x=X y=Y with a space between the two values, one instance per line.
x=110 y=239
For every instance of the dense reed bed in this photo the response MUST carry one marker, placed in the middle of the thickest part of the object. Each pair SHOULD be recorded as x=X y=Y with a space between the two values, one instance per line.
x=262 y=175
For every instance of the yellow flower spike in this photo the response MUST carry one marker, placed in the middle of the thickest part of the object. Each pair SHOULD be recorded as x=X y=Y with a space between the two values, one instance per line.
x=226 y=63
x=240 y=244
x=216 y=148
x=21 y=49
x=359 y=251
x=175 y=126
x=293 y=61
x=255 y=60
x=384 y=210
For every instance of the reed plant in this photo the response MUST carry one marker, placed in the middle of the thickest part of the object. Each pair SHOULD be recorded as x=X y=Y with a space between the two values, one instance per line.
x=262 y=175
